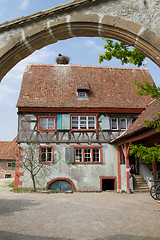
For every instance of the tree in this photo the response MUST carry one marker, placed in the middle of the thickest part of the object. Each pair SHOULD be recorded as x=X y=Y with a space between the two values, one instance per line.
x=30 y=161
x=147 y=154
x=122 y=52
x=126 y=55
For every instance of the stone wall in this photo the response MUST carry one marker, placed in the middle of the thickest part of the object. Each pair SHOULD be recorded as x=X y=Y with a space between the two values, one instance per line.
x=4 y=169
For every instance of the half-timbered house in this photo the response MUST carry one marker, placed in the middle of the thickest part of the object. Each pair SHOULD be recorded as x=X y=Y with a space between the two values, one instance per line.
x=73 y=112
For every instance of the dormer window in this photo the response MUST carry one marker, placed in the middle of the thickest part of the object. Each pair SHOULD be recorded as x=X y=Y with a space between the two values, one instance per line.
x=82 y=95
x=82 y=91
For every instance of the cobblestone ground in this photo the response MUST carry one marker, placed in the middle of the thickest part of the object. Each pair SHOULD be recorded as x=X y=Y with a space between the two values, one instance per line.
x=106 y=215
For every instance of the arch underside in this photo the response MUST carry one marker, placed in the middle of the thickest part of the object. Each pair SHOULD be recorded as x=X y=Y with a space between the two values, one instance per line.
x=25 y=42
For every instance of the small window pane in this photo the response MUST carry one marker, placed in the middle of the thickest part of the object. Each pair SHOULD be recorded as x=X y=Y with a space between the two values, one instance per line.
x=43 y=123
x=91 y=122
x=114 y=123
x=9 y=164
x=74 y=122
x=96 y=157
x=78 y=155
x=123 y=123
x=87 y=155
x=83 y=122
x=51 y=123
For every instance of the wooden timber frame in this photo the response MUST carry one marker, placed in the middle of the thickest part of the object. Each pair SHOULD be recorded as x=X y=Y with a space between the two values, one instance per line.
x=27 y=129
x=123 y=144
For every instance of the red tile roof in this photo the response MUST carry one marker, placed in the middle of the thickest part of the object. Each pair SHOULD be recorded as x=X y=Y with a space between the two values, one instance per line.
x=56 y=86
x=149 y=114
x=3 y=145
x=10 y=151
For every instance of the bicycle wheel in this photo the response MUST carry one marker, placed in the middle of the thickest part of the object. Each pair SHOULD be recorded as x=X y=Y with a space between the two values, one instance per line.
x=158 y=192
x=153 y=192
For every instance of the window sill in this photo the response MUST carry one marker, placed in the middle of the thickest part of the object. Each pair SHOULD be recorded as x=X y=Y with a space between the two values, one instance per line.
x=87 y=163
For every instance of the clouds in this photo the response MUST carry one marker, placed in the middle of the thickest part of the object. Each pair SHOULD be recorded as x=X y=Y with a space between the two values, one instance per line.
x=23 y=4
x=93 y=45
x=6 y=94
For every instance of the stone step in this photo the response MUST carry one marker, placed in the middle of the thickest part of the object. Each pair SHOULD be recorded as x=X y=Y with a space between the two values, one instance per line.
x=140 y=184
x=141 y=190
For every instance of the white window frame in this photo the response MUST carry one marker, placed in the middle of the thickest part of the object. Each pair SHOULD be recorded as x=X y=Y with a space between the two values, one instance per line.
x=82 y=94
x=120 y=121
x=46 y=153
x=112 y=123
x=46 y=127
x=83 y=122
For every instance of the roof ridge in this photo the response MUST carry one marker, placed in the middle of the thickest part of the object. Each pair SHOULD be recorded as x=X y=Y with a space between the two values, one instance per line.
x=84 y=66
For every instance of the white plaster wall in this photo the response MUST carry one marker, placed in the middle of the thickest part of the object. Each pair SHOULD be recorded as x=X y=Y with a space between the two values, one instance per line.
x=146 y=173
x=85 y=177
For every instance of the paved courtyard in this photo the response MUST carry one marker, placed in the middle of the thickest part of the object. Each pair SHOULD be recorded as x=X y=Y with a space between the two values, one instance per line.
x=106 y=215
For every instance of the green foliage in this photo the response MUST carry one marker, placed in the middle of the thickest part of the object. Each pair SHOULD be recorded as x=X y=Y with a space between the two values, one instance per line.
x=122 y=52
x=147 y=154
x=153 y=124
x=11 y=184
x=146 y=89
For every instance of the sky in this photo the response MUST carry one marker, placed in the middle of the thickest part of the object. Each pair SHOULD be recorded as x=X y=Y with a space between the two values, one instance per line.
x=82 y=51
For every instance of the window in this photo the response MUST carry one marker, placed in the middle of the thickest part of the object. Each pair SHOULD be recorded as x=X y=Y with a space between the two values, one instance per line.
x=123 y=123
x=46 y=154
x=7 y=175
x=46 y=124
x=88 y=155
x=11 y=165
x=82 y=95
x=114 y=123
x=119 y=124
x=83 y=122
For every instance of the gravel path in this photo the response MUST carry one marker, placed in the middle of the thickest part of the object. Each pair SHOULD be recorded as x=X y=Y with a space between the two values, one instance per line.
x=106 y=215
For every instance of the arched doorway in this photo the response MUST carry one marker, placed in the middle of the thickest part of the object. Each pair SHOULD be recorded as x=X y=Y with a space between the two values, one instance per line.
x=61 y=185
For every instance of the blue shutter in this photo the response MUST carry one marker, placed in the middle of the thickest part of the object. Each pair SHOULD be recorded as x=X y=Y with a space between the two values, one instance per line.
x=105 y=123
x=66 y=121
x=59 y=122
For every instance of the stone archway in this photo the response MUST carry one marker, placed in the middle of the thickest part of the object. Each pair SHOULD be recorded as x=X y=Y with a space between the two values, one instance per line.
x=80 y=18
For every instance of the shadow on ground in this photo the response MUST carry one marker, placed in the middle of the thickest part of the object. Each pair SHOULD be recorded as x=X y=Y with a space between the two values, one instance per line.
x=15 y=236
x=126 y=237
x=7 y=207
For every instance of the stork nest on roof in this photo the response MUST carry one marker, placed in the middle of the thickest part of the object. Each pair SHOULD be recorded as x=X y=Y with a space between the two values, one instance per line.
x=62 y=59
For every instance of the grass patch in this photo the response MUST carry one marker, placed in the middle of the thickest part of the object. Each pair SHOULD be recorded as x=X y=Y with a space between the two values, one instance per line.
x=21 y=190
x=11 y=184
